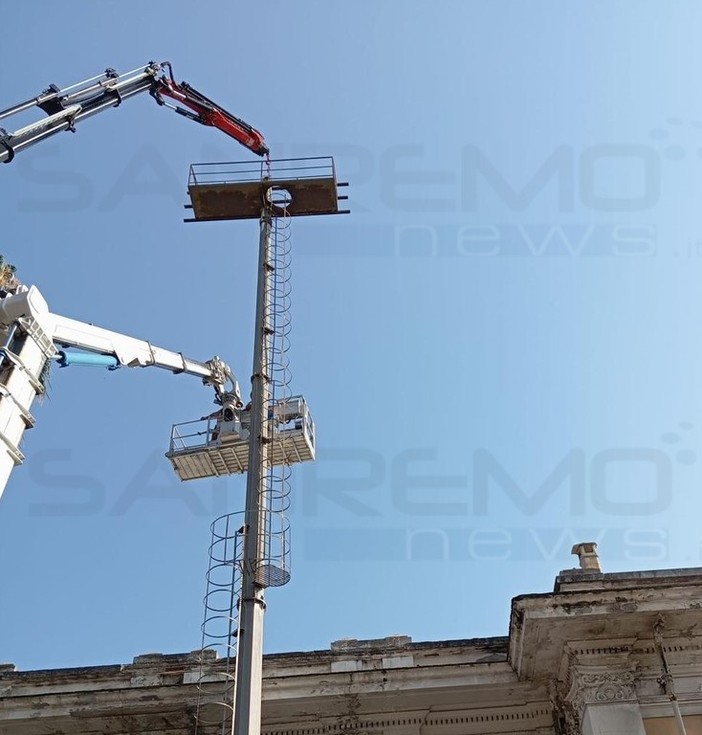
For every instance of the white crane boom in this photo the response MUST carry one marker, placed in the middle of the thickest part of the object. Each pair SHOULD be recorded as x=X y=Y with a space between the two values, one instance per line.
x=128 y=351
x=32 y=335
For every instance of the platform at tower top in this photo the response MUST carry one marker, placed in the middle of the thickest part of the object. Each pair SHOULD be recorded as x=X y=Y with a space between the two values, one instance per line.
x=240 y=190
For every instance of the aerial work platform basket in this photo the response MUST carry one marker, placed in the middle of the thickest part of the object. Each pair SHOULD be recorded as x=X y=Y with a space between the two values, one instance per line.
x=213 y=447
x=240 y=190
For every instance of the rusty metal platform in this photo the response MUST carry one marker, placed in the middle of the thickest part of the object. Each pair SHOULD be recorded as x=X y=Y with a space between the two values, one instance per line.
x=240 y=190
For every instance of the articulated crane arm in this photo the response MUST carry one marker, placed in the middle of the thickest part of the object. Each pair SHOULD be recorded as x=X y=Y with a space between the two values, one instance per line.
x=66 y=107
x=32 y=336
x=206 y=112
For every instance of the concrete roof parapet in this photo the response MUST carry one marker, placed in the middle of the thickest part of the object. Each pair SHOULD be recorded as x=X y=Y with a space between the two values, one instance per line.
x=354 y=645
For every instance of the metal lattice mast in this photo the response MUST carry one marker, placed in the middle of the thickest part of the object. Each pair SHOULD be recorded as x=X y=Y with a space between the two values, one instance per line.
x=249 y=669
x=278 y=432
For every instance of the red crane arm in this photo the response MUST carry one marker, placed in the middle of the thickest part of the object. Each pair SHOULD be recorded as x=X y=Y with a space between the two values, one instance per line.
x=208 y=112
x=66 y=107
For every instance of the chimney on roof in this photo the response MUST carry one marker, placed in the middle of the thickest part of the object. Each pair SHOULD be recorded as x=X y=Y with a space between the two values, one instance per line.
x=587 y=553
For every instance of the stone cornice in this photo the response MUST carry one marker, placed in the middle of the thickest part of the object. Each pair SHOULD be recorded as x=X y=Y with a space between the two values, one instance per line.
x=525 y=718
x=600 y=617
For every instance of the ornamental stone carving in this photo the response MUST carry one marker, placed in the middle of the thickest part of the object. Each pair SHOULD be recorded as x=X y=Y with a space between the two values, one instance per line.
x=609 y=687
x=588 y=687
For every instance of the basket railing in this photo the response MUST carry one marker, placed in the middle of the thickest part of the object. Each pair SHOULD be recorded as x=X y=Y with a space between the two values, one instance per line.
x=283 y=169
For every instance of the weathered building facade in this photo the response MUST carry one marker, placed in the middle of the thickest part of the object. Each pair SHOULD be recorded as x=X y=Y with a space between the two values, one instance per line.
x=603 y=654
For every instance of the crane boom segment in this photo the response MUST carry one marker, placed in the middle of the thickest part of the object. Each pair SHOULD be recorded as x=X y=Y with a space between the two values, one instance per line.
x=209 y=113
x=129 y=351
x=29 y=304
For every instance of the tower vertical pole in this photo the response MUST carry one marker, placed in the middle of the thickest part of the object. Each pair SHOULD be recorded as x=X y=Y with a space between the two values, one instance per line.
x=249 y=665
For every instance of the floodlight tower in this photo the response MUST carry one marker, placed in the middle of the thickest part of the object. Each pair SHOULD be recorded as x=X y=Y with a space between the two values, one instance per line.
x=271 y=193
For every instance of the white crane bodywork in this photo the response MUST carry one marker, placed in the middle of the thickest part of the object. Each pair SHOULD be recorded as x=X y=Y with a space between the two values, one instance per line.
x=32 y=336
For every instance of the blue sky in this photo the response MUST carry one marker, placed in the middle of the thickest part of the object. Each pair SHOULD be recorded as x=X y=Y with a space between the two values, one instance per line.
x=499 y=345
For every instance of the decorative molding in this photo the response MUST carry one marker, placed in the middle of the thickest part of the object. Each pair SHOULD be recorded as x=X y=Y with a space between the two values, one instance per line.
x=434 y=720
x=601 y=687
x=601 y=650
x=610 y=687
x=566 y=716
x=588 y=686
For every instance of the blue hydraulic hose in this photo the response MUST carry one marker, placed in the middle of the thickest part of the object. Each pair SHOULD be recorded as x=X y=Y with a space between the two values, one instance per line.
x=66 y=358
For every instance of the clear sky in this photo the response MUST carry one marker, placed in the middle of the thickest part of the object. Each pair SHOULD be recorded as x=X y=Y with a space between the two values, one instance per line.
x=500 y=345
